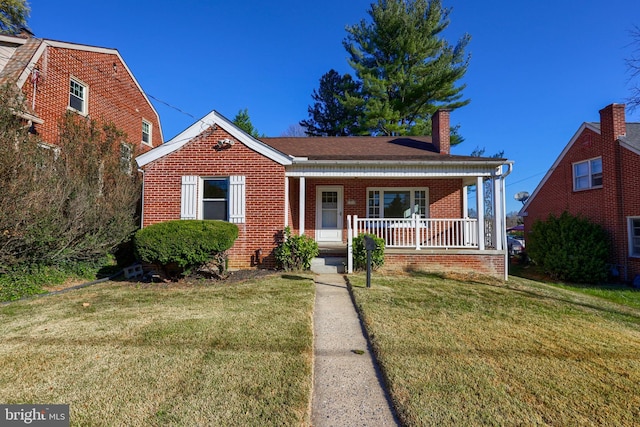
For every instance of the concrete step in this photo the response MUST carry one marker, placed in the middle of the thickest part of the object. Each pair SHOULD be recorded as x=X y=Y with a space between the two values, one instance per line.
x=328 y=264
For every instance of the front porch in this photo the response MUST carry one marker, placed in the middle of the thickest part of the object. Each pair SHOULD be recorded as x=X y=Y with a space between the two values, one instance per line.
x=421 y=213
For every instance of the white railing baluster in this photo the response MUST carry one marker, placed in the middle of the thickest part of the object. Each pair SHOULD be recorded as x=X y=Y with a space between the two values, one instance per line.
x=419 y=233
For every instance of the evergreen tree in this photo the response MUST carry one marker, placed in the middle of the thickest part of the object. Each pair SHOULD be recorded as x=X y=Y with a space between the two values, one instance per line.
x=13 y=15
x=243 y=121
x=406 y=68
x=329 y=116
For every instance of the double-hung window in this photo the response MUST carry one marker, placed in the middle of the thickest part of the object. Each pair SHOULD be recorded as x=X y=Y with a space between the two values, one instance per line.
x=634 y=236
x=146 y=132
x=397 y=202
x=78 y=96
x=587 y=174
x=215 y=198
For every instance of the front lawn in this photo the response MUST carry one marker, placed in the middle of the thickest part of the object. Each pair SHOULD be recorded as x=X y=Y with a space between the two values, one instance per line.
x=462 y=352
x=127 y=354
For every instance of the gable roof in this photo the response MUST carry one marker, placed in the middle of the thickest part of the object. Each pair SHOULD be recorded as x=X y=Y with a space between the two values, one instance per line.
x=631 y=141
x=25 y=53
x=208 y=122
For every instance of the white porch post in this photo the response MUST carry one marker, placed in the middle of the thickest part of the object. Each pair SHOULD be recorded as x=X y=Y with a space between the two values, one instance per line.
x=465 y=201
x=480 y=210
x=302 y=204
x=349 y=245
x=497 y=209
x=286 y=201
x=505 y=247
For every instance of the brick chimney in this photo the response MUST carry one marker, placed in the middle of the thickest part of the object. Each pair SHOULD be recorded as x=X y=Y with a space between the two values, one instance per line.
x=612 y=126
x=612 y=123
x=440 y=131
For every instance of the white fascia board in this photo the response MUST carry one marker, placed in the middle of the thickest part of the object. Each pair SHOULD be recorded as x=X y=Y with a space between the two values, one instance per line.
x=12 y=39
x=196 y=129
x=392 y=170
x=251 y=142
x=574 y=138
x=73 y=46
x=471 y=163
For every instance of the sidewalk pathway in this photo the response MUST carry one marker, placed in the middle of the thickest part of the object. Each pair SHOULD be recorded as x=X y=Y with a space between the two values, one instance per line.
x=347 y=389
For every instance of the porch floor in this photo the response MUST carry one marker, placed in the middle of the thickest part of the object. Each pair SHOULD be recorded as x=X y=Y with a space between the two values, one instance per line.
x=332 y=249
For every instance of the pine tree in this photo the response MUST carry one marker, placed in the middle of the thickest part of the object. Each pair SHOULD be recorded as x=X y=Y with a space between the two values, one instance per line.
x=243 y=121
x=407 y=69
x=13 y=15
x=329 y=116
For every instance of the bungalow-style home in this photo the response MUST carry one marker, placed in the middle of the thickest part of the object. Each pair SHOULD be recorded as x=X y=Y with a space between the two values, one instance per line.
x=94 y=82
x=596 y=176
x=410 y=191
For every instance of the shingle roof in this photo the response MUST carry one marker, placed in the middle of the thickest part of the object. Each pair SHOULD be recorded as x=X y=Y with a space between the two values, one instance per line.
x=632 y=137
x=19 y=61
x=361 y=148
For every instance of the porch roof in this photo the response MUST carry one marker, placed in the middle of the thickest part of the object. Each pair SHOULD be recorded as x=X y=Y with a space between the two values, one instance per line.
x=380 y=157
x=359 y=148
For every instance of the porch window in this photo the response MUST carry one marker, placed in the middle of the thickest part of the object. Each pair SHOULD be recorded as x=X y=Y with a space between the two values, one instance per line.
x=587 y=174
x=397 y=202
x=634 y=236
x=215 y=198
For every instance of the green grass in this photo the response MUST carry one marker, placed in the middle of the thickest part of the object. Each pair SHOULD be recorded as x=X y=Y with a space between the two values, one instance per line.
x=463 y=352
x=121 y=354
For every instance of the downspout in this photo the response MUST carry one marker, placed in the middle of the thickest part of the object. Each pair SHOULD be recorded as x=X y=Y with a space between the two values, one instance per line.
x=142 y=200
x=505 y=247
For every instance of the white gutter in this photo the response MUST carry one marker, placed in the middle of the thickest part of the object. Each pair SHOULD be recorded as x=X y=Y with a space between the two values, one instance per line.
x=504 y=221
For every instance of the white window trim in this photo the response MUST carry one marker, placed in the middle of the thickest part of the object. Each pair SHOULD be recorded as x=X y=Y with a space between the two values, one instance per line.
x=201 y=198
x=411 y=190
x=191 y=197
x=148 y=123
x=590 y=174
x=630 y=220
x=85 y=103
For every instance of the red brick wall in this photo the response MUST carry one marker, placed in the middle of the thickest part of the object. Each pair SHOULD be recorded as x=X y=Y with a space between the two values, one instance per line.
x=476 y=263
x=264 y=192
x=608 y=206
x=112 y=93
x=445 y=197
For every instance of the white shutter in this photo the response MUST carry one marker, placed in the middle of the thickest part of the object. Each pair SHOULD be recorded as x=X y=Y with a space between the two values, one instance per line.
x=237 y=199
x=189 y=197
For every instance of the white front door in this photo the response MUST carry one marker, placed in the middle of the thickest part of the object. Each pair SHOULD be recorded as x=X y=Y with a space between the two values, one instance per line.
x=329 y=213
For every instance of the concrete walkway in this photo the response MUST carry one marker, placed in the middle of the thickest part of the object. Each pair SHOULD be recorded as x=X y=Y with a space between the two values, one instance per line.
x=347 y=389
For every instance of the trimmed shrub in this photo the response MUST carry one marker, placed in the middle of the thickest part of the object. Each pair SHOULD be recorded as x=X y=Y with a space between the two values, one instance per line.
x=360 y=254
x=569 y=248
x=295 y=252
x=186 y=244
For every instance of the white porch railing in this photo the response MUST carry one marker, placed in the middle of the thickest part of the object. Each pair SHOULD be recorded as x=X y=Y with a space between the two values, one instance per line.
x=417 y=233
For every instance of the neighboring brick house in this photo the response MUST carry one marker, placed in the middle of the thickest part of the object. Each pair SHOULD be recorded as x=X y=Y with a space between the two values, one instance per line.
x=409 y=190
x=596 y=176
x=56 y=77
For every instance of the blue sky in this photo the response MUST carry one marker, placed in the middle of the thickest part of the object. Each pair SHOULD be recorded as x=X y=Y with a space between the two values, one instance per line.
x=537 y=70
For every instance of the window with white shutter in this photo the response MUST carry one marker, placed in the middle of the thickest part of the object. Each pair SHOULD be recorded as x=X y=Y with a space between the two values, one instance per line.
x=189 y=197
x=220 y=198
x=237 y=199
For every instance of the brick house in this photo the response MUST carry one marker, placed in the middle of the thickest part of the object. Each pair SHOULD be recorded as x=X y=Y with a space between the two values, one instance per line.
x=596 y=176
x=94 y=82
x=408 y=190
